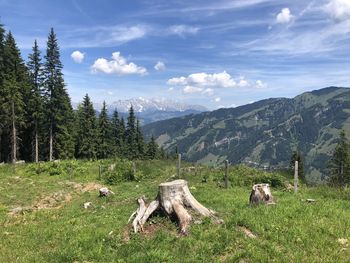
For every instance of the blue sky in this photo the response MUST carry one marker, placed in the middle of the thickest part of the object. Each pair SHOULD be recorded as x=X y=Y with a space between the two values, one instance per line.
x=213 y=53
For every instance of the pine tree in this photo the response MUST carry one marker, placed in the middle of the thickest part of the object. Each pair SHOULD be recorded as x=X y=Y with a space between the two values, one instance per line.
x=2 y=93
x=152 y=149
x=14 y=85
x=106 y=142
x=86 y=137
x=118 y=134
x=340 y=162
x=59 y=108
x=122 y=132
x=131 y=135
x=35 y=102
x=297 y=157
x=140 y=141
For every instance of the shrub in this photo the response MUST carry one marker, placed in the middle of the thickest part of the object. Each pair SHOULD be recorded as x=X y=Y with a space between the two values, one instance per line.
x=245 y=176
x=123 y=171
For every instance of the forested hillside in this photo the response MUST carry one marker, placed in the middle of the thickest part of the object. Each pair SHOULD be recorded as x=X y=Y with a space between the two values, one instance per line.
x=263 y=134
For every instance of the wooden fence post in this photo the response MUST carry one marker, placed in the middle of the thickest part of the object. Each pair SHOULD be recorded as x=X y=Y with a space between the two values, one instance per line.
x=226 y=174
x=296 y=176
x=178 y=165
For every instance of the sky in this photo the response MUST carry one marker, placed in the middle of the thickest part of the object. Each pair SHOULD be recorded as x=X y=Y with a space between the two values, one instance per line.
x=214 y=53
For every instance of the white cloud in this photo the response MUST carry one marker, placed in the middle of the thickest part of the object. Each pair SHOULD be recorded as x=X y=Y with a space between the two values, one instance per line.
x=207 y=84
x=78 y=56
x=243 y=83
x=339 y=9
x=182 y=30
x=160 y=66
x=118 y=65
x=218 y=99
x=219 y=80
x=260 y=85
x=103 y=36
x=192 y=89
x=208 y=91
x=284 y=16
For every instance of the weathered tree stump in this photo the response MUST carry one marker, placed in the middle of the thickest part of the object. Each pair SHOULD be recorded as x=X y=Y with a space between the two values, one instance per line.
x=261 y=193
x=104 y=191
x=173 y=198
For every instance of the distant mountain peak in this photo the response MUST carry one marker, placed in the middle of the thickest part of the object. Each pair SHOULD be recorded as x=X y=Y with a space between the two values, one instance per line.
x=142 y=104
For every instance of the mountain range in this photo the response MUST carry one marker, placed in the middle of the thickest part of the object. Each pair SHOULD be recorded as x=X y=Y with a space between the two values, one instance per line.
x=150 y=110
x=262 y=134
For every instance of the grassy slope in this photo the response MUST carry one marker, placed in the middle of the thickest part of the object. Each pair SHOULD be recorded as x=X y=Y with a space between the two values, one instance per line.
x=291 y=231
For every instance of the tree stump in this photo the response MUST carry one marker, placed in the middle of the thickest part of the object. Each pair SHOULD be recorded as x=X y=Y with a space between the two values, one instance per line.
x=261 y=193
x=104 y=191
x=173 y=198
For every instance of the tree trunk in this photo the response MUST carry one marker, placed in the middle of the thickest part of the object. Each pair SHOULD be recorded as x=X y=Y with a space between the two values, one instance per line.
x=14 y=134
x=173 y=198
x=51 y=145
x=36 y=143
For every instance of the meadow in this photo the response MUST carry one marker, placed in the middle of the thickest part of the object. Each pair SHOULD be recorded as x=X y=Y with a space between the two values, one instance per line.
x=42 y=217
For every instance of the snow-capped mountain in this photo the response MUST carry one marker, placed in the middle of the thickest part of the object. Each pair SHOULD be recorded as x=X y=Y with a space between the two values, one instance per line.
x=152 y=105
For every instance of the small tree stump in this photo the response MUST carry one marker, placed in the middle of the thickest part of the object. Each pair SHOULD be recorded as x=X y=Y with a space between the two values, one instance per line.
x=173 y=198
x=261 y=193
x=104 y=191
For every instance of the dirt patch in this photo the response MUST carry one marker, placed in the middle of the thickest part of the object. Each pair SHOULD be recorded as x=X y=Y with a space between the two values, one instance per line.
x=79 y=187
x=126 y=234
x=247 y=232
x=57 y=199
x=91 y=187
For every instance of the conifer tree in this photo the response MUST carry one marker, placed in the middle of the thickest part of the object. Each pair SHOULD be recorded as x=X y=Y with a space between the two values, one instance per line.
x=106 y=143
x=122 y=132
x=14 y=84
x=86 y=137
x=152 y=149
x=118 y=133
x=59 y=108
x=35 y=102
x=131 y=135
x=139 y=141
x=2 y=93
x=340 y=162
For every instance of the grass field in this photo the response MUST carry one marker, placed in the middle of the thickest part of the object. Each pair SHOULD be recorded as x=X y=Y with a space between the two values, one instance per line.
x=42 y=219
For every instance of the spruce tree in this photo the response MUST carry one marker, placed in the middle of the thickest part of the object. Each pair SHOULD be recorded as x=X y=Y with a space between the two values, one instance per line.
x=140 y=141
x=14 y=86
x=35 y=102
x=86 y=137
x=2 y=93
x=58 y=105
x=122 y=133
x=106 y=142
x=132 y=148
x=118 y=134
x=340 y=162
x=152 y=149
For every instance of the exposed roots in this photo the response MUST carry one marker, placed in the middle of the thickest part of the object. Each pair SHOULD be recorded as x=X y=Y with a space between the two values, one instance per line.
x=173 y=198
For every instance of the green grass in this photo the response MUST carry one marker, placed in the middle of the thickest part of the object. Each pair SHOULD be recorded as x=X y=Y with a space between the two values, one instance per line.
x=291 y=231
